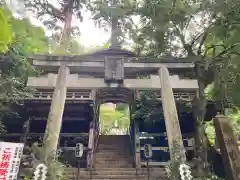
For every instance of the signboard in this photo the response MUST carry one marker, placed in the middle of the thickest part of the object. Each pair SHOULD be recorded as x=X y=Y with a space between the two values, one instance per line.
x=114 y=69
x=10 y=157
x=148 y=151
x=79 y=150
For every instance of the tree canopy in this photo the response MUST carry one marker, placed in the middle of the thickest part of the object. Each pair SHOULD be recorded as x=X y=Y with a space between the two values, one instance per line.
x=19 y=39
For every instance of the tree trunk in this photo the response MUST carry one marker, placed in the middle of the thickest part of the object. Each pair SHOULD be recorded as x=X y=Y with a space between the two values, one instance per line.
x=66 y=32
x=114 y=29
x=201 y=147
x=68 y=13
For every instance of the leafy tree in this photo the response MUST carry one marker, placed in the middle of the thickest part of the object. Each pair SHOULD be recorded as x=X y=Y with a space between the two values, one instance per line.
x=58 y=17
x=14 y=65
x=6 y=31
x=114 y=15
x=111 y=118
x=201 y=30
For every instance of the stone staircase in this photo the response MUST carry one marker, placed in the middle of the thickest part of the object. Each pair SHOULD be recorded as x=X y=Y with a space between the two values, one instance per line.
x=114 y=151
x=115 y=162
x=116 y=174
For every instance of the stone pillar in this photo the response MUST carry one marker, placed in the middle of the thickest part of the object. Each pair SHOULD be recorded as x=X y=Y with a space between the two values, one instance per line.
x=54 y=122
x=228 y=146
x=175 y=142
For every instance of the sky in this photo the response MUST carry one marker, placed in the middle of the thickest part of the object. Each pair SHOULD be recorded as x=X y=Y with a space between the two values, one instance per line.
x=90 y=34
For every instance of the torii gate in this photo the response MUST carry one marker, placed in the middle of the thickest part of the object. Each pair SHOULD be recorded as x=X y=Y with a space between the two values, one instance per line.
x=112 y=72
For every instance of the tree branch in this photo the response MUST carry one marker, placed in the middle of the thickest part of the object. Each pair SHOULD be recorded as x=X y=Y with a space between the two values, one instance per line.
x=205 y=35
x=225 y=51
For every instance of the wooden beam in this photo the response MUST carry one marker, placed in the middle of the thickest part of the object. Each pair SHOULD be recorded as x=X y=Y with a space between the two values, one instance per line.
x=67 y=118
x=143 y=134
x=42 y=134
x=159 y=148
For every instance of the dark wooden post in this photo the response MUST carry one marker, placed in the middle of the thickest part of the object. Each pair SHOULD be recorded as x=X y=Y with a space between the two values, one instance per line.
x=137 y=145
x=26 y=128
x=228 y=146
x=175 y=142
x=91 y=144
x=54 y=122
x=135 y=133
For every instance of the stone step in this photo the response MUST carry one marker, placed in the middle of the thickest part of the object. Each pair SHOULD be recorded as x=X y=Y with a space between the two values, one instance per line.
x=113 y=166
x=114 y=159
x=111 y=176
x=131 y=178
x=112 y=148
x=104 y=157
x=116 y=173
x=112 y=152
x=117 y=170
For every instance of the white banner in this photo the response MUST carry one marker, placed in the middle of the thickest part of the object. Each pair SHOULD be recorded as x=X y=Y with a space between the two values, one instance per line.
x=10 y=157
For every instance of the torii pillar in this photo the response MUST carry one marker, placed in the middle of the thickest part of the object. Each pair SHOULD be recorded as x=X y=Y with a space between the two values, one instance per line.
x=175 y=142
x=54 y=122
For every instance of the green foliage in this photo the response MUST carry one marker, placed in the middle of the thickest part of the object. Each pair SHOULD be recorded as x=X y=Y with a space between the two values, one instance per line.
x=31 y=38
x=14 y=65
x=235 y=118
x=26 y=178
x=115 y=16
x=56 y=12
x=111 y=118
x=174 y=164
x=148 y=108
x=57 y=17
x=5 y=31
x=173 y=171
x=71 y=48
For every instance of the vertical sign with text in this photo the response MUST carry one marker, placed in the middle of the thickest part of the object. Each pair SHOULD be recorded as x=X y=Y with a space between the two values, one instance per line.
x=10 y=157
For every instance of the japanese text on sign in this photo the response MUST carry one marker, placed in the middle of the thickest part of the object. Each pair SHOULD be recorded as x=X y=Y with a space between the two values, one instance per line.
x=10 y=156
